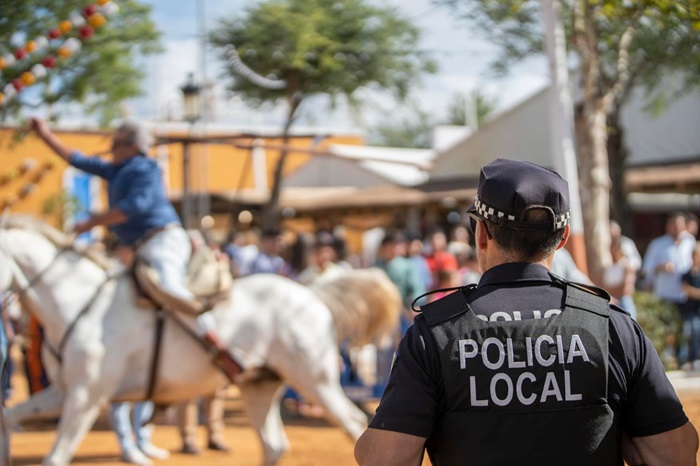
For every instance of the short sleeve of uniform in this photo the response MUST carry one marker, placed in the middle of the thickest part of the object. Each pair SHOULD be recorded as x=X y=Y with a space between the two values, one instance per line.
x=649 y=405
x=410 y=401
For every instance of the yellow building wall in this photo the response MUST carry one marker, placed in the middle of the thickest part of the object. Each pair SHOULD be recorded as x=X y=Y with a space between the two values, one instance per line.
x=218 y=168
x=31 y=176
x=215 y=168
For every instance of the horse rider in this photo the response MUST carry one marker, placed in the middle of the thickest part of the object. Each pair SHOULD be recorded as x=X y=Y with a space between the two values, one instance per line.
x=141 y=217
x=526 y=367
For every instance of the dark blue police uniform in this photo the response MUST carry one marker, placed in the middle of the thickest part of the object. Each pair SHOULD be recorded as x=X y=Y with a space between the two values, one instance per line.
x=525 y=368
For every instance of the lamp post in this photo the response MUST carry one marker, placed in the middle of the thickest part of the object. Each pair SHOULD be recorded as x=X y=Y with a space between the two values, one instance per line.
x=191 y=106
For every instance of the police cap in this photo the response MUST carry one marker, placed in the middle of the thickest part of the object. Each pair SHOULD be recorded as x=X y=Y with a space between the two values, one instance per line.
x=508 y=189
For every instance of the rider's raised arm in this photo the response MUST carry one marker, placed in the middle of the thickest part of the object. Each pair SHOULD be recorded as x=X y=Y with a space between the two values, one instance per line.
x=92 y=165
x=42 y=130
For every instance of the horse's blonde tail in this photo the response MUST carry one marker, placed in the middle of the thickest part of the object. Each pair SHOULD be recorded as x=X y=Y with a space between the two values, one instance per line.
x=365 y=304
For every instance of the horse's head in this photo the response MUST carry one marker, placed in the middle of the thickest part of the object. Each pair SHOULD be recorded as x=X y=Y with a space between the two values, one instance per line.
x=26 y=246
x=7 y=264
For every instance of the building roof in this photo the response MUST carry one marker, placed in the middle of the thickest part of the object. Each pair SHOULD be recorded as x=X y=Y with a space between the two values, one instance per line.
x=364 y=166
x=523 y=133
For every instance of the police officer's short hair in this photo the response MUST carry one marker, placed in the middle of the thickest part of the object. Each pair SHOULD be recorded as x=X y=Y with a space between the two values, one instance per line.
x=525 y=206
x=136 y=134
x=525 y=244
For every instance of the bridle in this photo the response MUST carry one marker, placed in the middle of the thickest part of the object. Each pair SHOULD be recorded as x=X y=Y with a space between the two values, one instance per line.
x=23 y=290
x=20 y=294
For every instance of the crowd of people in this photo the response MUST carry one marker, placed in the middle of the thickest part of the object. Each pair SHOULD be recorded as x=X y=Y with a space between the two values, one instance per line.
x=671 y=271
x=415 y=264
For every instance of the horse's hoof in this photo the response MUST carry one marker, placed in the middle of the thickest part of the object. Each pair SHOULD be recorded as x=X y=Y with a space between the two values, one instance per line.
x=154 y=452
x=218 y=445
x=190 y=449
x=134 y=456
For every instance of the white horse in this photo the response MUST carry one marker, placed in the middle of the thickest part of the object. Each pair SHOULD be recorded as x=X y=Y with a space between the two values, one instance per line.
x=106 y=353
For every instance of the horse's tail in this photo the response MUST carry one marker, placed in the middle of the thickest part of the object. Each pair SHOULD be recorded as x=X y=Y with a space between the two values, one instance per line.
x=365 y=304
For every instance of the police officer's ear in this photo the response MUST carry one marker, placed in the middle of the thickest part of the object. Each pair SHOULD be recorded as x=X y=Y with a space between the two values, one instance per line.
x=565 y=238
x=481 y=236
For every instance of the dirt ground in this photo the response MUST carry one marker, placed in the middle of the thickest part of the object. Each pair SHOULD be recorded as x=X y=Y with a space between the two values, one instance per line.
x=314 y=442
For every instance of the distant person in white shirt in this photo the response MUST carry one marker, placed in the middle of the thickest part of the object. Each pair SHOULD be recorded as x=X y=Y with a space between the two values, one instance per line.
x=667 y=258
x=563 y=266
x=629 y=249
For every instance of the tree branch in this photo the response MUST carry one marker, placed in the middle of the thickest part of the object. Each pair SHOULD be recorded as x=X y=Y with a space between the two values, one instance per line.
x=585 y=40
x=623 y=70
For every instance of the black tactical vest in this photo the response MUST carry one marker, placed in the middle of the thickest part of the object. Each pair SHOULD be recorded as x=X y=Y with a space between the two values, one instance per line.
x=524 y=392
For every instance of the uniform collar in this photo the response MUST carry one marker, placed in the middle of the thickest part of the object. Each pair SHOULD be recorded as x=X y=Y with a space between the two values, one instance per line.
x=513 y=272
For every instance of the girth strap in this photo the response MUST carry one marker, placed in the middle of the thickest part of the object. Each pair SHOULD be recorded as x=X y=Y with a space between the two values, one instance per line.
x=157 y=345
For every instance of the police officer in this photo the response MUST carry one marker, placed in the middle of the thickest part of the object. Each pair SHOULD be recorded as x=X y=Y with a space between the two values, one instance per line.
x=526 y=368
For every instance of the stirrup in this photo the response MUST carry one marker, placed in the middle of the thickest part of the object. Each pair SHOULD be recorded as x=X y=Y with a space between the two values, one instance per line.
x=222 y=358
x=225 y=362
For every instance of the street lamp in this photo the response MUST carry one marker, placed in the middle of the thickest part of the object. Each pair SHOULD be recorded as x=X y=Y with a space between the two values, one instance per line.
x=191 y=110
x=190 y=99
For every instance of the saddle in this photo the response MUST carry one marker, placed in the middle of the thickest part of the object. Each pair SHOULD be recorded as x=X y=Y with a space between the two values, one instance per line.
x=208 y=278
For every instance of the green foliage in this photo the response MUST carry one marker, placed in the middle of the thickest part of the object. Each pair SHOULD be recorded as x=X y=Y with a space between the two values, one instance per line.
x=101 y=74
x=665 y=34
x=661 y=323
x=414 y=131
x=513 y=25
x=331 y=47
x=485 y=106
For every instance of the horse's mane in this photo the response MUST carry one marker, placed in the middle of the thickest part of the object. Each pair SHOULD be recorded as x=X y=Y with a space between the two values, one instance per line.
x=55 y=237
x=365 y=304
x=26 y=222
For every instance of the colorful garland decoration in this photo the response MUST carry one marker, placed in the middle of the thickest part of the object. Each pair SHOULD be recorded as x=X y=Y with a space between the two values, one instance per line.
x=35 y=174
x=84 y=23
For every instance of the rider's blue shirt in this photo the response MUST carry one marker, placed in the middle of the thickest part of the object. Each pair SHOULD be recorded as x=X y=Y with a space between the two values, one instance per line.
x=136 y=188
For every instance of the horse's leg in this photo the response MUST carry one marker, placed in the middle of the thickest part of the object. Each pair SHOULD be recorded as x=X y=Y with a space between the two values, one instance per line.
x=80 y=410
x=44 y=404
x=322 y=386
x=262 y=401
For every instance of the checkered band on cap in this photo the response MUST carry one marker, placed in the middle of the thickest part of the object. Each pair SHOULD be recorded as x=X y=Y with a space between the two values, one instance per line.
x=489 y=213
x=493 y=215
x=562 y=220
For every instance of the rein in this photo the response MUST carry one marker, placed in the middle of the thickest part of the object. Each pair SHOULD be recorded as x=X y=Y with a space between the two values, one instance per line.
x=57 y=353
x=22 y=292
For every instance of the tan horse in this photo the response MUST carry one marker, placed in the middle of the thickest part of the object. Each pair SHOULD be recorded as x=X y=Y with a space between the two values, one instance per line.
x=268 y=322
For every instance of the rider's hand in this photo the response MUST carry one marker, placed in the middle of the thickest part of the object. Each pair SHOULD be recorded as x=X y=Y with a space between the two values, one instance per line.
x=82 y=227
x=38 y=125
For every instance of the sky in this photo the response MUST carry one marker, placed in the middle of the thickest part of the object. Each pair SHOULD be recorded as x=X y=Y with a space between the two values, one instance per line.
x=463 y=59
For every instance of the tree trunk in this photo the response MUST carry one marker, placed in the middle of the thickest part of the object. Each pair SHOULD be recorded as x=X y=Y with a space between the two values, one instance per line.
x=591 y=131
x=270 y=217
x=617 y=158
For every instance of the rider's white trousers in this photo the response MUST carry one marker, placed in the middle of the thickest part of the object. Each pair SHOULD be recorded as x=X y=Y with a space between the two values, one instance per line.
x=168 y=252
